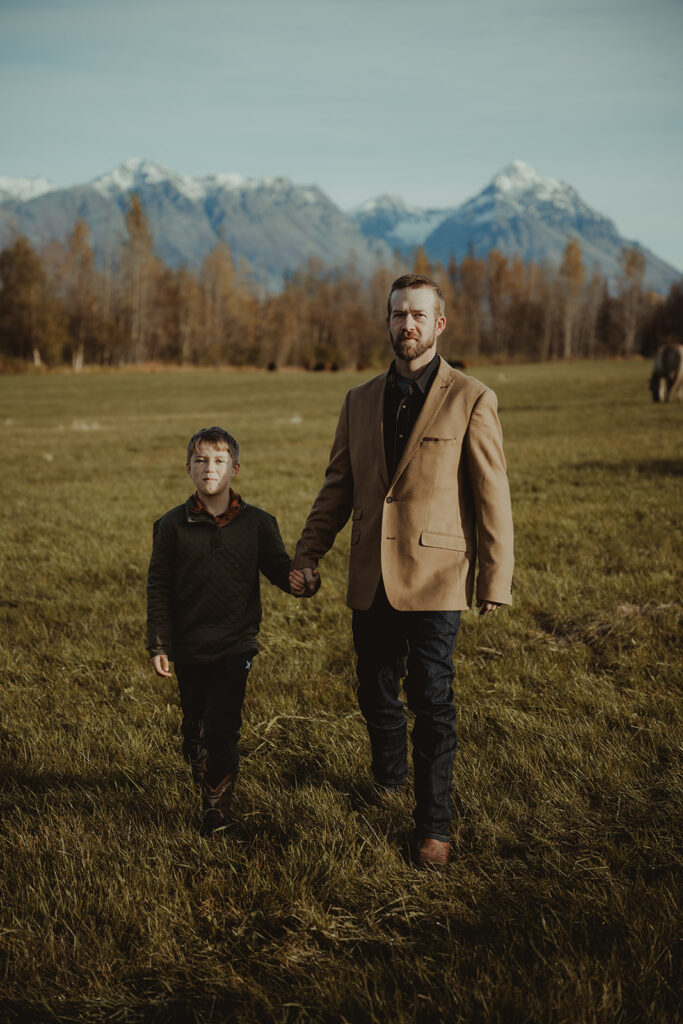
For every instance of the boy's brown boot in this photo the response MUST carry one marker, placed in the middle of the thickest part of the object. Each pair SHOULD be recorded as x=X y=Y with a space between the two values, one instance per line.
x=216 y=804
x=197 y=756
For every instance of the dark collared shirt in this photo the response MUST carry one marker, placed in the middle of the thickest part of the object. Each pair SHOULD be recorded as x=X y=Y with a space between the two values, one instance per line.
x=403 y=401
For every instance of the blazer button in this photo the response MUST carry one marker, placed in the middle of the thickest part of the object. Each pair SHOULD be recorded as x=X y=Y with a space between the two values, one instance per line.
x=389 y=501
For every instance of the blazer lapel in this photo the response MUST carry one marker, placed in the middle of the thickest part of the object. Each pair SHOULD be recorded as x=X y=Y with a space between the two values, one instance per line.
x=372 y=432
x=433 y=402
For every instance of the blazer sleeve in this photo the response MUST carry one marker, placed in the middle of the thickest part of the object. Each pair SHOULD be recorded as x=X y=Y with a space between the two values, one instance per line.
x=332 y=507
x=491 y=494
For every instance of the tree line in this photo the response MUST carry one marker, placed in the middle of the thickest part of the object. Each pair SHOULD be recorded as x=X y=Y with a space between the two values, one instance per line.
x=58 y=307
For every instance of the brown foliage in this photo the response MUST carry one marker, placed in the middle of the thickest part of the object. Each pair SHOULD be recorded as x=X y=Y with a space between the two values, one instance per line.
x=58 y=306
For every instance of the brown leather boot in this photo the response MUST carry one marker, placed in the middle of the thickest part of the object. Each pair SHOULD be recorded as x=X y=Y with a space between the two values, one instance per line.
x=216 y=804
x=432 y=853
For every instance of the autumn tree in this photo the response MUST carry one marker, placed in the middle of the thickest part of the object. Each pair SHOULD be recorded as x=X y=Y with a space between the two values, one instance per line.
x=72 y=268
x=141 y=270
x=632 y=262
x=472 y=273
x=497 y=294
x=421 y=264
x=593 y=299
x=230 y=310
x=32 y=321
x=571 y=281
x=177 y=335
x=663 y=323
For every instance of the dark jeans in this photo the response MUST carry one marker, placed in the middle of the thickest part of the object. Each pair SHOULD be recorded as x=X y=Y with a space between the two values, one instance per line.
x=418 y=645
x=211 y=696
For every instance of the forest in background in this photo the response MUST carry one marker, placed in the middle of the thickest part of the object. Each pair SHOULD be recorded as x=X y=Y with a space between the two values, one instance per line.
x=57 y=307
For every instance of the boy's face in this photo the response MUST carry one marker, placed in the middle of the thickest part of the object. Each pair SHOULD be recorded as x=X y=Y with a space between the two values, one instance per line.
x=211 y=470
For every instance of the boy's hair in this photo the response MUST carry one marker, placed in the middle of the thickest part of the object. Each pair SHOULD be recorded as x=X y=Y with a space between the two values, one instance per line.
x=418 y=281
x=218 y=438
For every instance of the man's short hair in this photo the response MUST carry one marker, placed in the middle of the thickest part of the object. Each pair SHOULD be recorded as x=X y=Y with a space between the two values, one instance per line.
x=418 y=281
x=217 y=438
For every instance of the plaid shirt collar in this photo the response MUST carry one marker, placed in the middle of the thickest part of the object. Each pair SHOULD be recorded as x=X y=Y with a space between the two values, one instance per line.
x=234 y=506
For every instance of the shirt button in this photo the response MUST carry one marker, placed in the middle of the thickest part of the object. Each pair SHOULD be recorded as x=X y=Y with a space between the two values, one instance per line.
x=389 y=501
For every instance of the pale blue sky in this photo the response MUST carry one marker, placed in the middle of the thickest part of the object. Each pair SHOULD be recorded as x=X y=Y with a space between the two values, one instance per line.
x=359 y=97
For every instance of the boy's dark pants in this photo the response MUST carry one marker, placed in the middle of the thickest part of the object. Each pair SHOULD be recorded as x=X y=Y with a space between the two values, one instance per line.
x=211 y=696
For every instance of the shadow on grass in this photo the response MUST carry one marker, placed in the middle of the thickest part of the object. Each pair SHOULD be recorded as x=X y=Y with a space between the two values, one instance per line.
x=144 y=799
x=595 y=631
x=168 y=801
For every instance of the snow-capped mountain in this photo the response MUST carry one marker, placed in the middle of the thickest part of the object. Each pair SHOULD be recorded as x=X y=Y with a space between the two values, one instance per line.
x=401 y=226
x=271 y=223
x=134 y=174
x=275 y=225
x=519 y=211
x=24 y=188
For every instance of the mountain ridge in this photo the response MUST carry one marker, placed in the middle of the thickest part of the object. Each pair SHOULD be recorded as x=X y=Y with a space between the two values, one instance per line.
x=518 y=211
x=276 y=225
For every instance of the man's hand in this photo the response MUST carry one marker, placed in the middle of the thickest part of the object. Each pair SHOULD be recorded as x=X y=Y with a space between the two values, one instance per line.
x=487 y=606
x=161 y=666
x=303 y=582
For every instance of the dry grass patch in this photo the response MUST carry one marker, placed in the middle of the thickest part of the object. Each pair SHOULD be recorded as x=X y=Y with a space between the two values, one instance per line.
x=561 y=903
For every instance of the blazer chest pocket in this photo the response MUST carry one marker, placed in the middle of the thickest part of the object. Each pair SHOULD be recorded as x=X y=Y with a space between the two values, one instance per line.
x=450 y=541
x=431 y=441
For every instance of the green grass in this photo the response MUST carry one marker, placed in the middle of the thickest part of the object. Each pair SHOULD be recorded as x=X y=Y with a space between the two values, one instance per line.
x=561 y=901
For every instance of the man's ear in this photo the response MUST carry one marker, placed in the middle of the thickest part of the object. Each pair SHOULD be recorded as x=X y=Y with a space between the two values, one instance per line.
x=440 y=324
x=235 y=468
x=187 y=467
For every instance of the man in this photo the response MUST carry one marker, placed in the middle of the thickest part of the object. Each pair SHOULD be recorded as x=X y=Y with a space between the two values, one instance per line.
x=417 y=461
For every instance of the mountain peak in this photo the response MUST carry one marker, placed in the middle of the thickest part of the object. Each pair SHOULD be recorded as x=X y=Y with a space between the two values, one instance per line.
x=384 y=203
x=519 y=178
x=24 y=189
x=135 y=173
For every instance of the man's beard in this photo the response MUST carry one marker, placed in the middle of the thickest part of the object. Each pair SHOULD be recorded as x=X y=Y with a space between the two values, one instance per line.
x=411 y=348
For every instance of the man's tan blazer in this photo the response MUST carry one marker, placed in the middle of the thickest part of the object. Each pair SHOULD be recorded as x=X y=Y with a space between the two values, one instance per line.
x=447 y=503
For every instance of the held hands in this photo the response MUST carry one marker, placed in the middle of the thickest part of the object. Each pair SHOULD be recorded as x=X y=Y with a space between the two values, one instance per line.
x=487 y=606
x=304 y=582
x=161 y=666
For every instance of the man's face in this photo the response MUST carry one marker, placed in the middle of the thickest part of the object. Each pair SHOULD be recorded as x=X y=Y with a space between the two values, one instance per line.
x=211 y=470
x=413 y=323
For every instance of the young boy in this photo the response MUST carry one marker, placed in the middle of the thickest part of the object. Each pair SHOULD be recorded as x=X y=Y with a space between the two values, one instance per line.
x=204 y=610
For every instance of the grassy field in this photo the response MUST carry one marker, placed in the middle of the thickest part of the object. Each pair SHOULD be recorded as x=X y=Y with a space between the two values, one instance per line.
x=561 y=901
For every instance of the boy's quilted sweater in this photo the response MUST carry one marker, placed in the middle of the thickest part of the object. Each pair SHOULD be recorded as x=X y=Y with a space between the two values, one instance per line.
x=203 y=595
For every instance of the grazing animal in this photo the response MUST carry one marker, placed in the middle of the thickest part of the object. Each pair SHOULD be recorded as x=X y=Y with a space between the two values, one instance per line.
x=667 y=373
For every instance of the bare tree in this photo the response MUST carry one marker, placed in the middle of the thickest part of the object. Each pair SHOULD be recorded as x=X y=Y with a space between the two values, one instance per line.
x=571 y=282
x=632 y=263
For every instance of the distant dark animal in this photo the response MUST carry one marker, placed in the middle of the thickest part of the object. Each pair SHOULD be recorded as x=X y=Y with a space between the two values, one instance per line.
x=272 y=365
x=667 y=373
